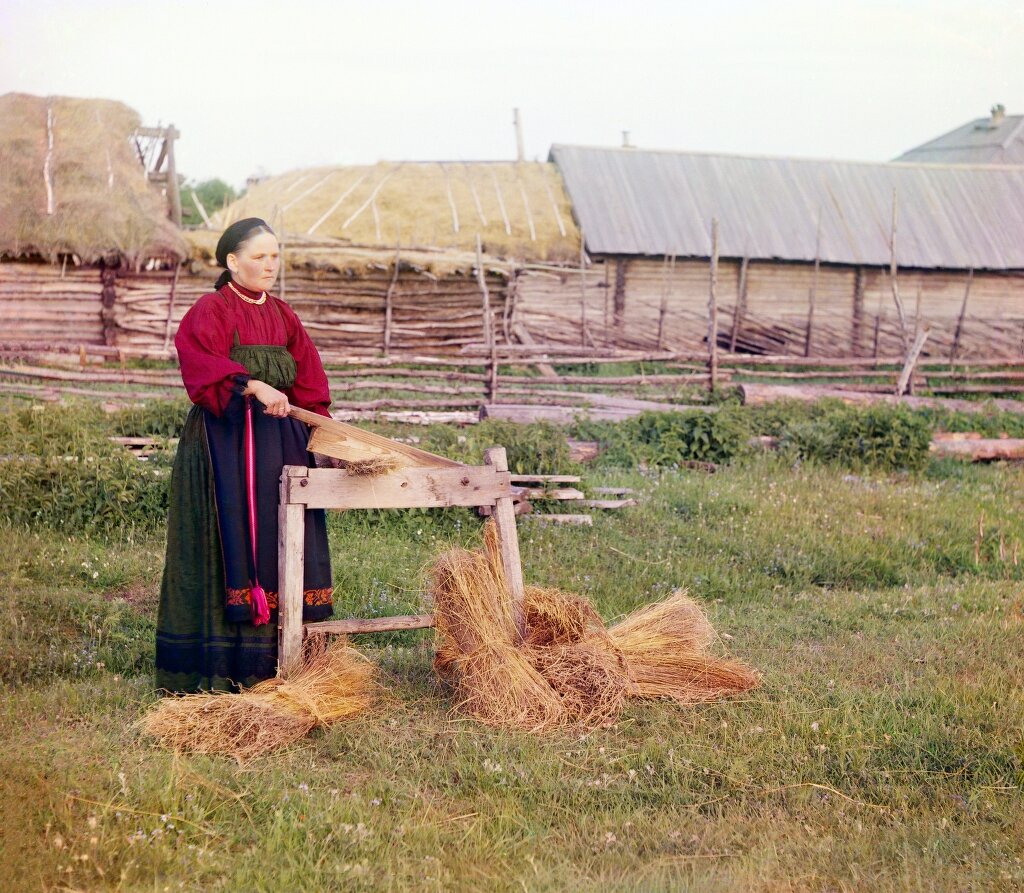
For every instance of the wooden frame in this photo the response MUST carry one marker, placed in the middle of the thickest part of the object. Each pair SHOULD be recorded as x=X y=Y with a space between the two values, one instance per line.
x=414 y=487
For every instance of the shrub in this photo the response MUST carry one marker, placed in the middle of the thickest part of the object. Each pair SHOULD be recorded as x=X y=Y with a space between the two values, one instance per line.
x=888 y=438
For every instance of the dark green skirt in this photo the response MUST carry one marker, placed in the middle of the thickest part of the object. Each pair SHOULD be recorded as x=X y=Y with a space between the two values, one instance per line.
x=201 y=642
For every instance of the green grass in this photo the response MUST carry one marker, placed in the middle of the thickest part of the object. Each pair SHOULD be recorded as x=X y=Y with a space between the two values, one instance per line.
x=885 y=750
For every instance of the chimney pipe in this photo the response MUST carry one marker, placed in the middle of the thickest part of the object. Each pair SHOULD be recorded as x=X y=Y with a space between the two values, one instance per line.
x=518 y=124
x=998 y=113
x=626 y=144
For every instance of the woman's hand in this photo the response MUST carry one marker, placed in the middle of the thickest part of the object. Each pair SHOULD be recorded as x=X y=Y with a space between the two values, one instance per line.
x=275 y=403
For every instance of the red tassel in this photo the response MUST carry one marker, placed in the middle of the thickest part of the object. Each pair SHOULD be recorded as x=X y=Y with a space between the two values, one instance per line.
x=259 y=606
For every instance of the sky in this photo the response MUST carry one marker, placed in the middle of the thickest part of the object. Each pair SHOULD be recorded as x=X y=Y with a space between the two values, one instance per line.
x=268 y=87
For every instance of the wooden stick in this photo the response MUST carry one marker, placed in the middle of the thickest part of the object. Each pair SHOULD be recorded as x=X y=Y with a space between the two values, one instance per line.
x=476 y=195
x=812 y=297
x=741 y=304
x=858 y=311
x=508 y=542
x=583 y=289
x=911 y=361
x=451 y=200
x=713 y=310
x=893 y=281
x=200 y=209
x=501 y=204
x=333 y=207
x=554 y=205
x=388 y=298
x=373 y=195
x=529 y=216
x=960 y=320
x=170 y=307
x=492 y=384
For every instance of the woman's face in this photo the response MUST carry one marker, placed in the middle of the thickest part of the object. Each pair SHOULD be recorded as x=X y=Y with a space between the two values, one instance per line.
x=256 y=262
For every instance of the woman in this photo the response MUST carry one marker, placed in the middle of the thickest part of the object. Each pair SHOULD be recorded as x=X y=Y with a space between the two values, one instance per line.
x=245 y=360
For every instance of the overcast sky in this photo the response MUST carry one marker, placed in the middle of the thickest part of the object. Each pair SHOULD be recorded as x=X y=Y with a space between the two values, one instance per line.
x=292 y=83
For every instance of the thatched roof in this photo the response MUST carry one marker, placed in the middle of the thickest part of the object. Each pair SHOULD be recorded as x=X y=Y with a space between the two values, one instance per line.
x=70 y=183
x=520 y=210
x=337 y=256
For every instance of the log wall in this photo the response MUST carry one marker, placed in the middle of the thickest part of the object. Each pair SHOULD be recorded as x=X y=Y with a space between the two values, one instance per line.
x=616 y=303
x=341 y=314
x=41 y=308
x=854 y=312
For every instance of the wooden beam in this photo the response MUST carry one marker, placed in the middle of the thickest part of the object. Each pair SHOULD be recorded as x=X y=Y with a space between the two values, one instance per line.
x=173 y=194
x=508 y=541
x=355 y=626
x=469 y=485
x=290 y=572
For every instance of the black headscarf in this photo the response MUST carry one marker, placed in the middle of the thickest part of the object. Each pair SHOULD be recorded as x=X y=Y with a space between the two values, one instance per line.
x=235 y=235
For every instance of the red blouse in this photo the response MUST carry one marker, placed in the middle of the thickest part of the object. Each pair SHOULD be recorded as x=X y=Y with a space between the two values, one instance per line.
x=207 y=334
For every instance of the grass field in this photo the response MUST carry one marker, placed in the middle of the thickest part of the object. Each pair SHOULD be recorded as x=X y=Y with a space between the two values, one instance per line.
x=884 y=751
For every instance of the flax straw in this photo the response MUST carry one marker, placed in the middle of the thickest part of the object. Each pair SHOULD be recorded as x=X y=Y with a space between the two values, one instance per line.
x=569 y=669
x=666 y=647
x=334 y=683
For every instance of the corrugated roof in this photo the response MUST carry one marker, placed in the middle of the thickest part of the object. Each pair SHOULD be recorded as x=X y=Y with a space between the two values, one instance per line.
x=992 y=140
x=631 y=201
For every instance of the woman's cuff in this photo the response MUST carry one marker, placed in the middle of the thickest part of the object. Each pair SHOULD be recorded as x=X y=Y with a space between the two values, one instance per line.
x=239 y=383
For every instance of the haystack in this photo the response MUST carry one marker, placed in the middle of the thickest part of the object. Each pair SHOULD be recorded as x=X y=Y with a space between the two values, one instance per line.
x=334 y=683
x=568 y=669
x=71 y=184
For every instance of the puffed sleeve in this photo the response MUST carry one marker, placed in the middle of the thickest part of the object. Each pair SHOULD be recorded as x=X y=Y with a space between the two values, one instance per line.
x=310 y=390
x=204 y=343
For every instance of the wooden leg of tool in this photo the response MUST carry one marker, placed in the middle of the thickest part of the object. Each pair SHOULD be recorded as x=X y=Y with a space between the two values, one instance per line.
x=508 y=542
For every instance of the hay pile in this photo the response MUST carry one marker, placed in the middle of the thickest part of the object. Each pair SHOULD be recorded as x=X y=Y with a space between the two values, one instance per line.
x=569 y=669
x=335 y=682
x=86 y=194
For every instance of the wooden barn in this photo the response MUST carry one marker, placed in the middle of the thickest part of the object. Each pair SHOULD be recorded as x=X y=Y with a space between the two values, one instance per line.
x=78 y=213
x=816 y=258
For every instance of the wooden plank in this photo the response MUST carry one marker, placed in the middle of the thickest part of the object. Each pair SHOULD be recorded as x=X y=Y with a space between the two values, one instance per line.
x=580 y=520
x=609 y=503
x=561 y=493
x=545 y=478
x=405 y=488
x=355 y=626
x=508 y=541
x=290 y=572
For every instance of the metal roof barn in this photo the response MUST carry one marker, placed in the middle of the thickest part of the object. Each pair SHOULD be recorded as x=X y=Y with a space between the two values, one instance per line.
x=654 y=203
x=998 y=139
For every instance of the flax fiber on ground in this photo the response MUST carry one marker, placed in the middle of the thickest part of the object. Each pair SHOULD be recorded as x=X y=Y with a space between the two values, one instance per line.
x=335 y=682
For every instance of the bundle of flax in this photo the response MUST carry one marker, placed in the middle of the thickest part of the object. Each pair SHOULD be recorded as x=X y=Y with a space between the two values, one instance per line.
x=568 y=669
x=335 y=682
